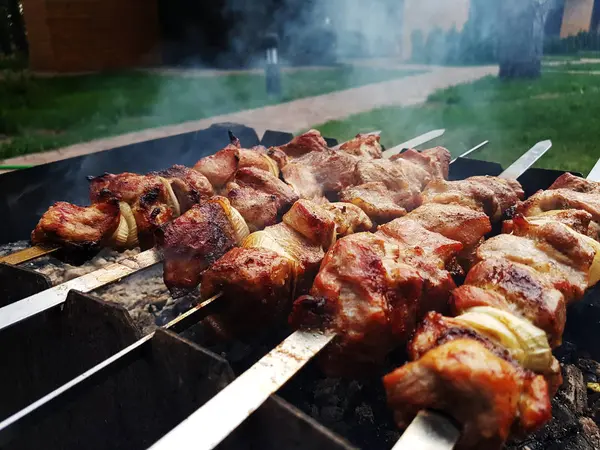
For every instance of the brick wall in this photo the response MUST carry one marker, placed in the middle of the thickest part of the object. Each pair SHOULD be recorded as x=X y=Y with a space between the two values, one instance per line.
x=91 y=35
x=577 y=17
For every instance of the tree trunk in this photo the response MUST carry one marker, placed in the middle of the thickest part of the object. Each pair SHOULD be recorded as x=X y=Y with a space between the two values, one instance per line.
x=17 y=26
x=5 y=41
x=521 y=38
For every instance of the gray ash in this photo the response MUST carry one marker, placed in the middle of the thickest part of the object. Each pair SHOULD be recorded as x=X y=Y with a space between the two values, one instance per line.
x=143 y=294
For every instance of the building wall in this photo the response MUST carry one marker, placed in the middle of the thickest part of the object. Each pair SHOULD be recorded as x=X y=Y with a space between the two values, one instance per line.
x=91 y=35
x=426 y=15
x=577 y=17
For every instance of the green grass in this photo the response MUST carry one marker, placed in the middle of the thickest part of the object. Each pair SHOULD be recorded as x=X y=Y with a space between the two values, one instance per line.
x=42 y=113
x=573 y=56
x=582 y=67
x=512 y=115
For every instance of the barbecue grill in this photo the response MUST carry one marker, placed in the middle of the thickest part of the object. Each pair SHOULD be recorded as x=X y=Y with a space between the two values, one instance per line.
x=173 y=372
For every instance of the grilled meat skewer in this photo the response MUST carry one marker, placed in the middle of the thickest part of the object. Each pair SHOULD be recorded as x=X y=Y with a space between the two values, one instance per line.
x=508 y=315
x=273 y=370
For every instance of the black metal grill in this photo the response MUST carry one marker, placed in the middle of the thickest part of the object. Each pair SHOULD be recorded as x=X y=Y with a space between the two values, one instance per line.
x=155 y=387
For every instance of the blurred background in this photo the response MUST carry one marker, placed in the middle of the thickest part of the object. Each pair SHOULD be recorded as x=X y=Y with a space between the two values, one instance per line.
x=74 y=71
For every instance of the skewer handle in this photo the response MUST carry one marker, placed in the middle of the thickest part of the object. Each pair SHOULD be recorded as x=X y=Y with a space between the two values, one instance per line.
x=415 y=142
x=27 y=254
x=594 y=174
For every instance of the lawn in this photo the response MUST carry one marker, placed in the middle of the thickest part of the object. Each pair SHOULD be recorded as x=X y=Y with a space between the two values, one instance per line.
x=42 y=113
x=512 y=115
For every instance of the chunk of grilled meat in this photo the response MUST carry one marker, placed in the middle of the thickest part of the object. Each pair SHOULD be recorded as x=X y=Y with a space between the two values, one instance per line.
x=487 y=395
x=348 y=218
x=195 y=240
x=221 y=167
x=369 y=290
x=126 y=186
x=364 y=145
x=574 y=183
x=455 y=222
x=150 y=197
x=322 y=223
x=573 y=218
x=260 y=197
x=563 y=199
x=376 y=200
x=259 y=280
x=189 y=185
x=561 y=256
x=77 y=226
x=320 y=172
x=435 y=161
x=491 y=195
x=399 y=176
x=436 y=330
x=311 y=141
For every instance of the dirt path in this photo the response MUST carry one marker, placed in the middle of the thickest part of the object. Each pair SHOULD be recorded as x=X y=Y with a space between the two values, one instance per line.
x=291 y=116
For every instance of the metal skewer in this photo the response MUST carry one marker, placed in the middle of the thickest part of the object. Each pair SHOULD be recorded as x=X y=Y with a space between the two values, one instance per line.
x=468 y=152
x=42 y=301
x=250 y=390
x=419 y=140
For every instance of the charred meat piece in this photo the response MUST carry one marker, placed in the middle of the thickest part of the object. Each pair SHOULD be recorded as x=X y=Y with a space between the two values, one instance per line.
x=195 y=240
x=127 y=187
x=260 y=197
x=257 y=282
x=364 y=145
x=77 y=226
x=189 y=185
x=260 y=280
x=485 y=394
x=376 y=200
x=435 y=161
x=151 y=198
x=490 y=195
x=311 y=141
x=521 y=291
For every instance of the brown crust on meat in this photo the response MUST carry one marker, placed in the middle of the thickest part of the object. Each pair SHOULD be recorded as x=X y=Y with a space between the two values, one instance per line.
x=80 y=227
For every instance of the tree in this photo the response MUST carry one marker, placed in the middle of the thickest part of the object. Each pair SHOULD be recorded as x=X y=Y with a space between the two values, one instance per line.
x=17 y=25
x=521 y=37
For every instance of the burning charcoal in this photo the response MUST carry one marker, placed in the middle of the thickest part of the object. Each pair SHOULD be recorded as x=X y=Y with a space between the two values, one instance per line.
x=590 y=430
x=573 y=392
x=590 y=369
x=567 y=353
x=332 y=414
x=364 y=414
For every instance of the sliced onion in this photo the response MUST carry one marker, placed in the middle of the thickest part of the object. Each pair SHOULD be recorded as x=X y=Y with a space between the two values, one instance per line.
x=127 y=213
x=172 y=201
x=532 y=340
x=121 y=234
x=273 y=168
x=495 y=330
x=240 y=227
